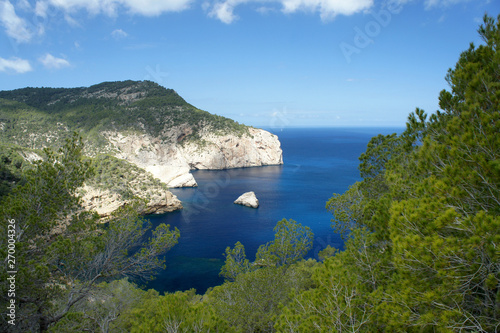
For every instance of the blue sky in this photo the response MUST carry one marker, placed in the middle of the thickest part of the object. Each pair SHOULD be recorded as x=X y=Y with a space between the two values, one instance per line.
x=270 y=63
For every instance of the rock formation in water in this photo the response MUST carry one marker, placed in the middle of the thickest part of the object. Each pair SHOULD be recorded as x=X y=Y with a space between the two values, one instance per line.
x=248 y=199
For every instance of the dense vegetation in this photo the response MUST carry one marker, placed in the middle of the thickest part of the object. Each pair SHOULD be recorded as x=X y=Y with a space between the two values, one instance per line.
x=12 y=164
x=421 y=230
x=123 y=178
x=111 y=175
x=61 y=253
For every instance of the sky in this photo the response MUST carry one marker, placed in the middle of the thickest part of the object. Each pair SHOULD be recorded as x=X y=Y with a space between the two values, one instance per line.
x=265 y=63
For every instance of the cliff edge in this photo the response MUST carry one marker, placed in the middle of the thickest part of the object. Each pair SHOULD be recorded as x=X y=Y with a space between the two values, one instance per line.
x=171 y=162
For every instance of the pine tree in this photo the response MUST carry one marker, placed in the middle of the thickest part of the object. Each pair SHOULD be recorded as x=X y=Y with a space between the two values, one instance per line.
x=422 y=228
x=61 y=252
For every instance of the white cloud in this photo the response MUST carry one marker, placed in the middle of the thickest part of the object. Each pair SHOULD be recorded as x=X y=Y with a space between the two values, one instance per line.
x=52 y=62
x=220 y=9
x=71 y=21
x=328 y=9
x=119 y=33
x=110 y=7
x=15 y=64
x=155 y=7
x=41 y=8
x=224 y=11
x=429 y=4
x=442 y=3
x=265 y=10
x=23 y=4
x=15 y=26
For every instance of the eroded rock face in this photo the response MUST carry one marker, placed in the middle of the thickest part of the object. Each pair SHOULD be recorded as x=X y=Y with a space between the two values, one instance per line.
x=184 y=180
x=104 y=202
x=248 y=199
x=170 y=159
x=230 y=151
x=160 y=133
x=163 y=203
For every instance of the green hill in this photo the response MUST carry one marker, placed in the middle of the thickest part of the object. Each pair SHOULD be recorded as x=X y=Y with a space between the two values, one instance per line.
x=39 y=117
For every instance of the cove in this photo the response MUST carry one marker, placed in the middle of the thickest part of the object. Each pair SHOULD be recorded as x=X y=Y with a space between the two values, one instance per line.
x=318 y=162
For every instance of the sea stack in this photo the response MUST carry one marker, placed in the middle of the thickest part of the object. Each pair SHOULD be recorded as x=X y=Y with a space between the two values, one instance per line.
x=248 y=199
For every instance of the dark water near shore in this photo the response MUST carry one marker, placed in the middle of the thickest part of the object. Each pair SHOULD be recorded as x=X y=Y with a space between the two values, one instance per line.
x=317 y=163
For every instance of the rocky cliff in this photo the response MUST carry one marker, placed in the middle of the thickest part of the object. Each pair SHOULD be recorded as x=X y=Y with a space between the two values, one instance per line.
x=140 y=123
x=171 y=161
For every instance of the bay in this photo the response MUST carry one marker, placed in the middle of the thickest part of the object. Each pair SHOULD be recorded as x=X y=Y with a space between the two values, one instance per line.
x=318 y=162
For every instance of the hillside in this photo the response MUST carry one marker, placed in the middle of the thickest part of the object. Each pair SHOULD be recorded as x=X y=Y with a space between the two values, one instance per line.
x=151 y=129
x=128 y=106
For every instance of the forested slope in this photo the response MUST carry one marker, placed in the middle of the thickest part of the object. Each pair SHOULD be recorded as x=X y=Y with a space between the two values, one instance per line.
x=37 y=117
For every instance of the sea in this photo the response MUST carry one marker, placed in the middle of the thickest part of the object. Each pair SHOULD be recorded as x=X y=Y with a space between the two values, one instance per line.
x=318 y=162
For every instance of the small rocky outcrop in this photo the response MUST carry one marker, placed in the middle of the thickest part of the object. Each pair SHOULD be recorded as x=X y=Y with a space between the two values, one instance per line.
x=104 y=202
x=183 y=179
x=162 y=204
x=248 y=199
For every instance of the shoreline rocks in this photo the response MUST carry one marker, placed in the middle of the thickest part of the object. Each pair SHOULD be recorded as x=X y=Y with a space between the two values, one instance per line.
x=248 y=199
x=104 y=202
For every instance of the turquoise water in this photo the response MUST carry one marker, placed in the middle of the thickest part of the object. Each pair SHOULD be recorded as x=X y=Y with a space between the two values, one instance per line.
x=317 y=163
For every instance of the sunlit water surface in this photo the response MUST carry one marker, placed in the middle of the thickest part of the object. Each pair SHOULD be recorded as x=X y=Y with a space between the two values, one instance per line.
x=317 y=163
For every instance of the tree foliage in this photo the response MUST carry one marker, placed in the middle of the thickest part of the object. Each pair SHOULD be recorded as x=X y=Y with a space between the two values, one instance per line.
x=423 y=226
x=253 y=294
x=12 y=164
x=291 y=243
x=173 y=312
x=61 y=252
x=236 y=262
x=252 y=302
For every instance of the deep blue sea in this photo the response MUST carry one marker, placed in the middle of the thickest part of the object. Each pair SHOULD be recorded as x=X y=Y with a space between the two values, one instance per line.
x=317 y=163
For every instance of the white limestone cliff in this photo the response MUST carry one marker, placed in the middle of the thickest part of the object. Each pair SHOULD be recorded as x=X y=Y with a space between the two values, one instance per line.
x=230 y=151
x=170 y=159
